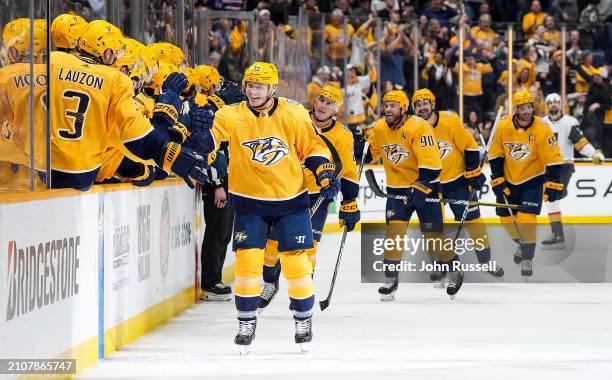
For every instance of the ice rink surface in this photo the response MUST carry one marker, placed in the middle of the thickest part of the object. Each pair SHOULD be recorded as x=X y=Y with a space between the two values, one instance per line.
x=490 y=331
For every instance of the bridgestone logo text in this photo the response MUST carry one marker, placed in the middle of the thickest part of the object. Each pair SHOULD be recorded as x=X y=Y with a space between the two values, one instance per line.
x=41 y=274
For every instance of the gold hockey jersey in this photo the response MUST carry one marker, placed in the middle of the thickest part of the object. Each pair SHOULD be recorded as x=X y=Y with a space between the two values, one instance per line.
x=405 y=150
x=342 y=139
x=526 y=152
x=266 y=151
x=454 y=141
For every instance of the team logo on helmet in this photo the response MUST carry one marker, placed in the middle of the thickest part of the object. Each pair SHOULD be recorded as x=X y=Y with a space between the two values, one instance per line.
x=268 y=150
x=395 y=153
x=445 y=148
x=518 y=151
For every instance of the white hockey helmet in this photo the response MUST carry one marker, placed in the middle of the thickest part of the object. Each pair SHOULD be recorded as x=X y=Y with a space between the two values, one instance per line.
x=553 y=97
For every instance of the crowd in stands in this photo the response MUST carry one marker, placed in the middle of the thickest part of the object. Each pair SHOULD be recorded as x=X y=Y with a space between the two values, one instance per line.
x=342 y=35
x=344 y=41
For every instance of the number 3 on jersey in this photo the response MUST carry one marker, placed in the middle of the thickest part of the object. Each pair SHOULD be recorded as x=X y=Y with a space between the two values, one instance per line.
x=76 y=114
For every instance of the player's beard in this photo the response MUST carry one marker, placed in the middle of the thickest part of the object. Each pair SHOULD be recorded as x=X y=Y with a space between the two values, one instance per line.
x=392 y=120
x=556 y=114
x=425 y=115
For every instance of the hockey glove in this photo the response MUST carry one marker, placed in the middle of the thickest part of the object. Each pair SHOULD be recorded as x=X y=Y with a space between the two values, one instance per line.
x=202 y=118
x=552 y=191
x=179 y=131
x=218 y=169
x=500 y=189
x=168 y=104
x=598 y=157
x=475 y=178
x=326 y=181
x=146 y=178
x=230 y=93
x=175 y=82
x=349 y=214
x=184 y=163
x=419 y=191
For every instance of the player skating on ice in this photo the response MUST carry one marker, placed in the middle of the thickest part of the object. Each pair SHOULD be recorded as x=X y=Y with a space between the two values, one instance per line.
x=325 y=107
x=569 y=137
x=269 y=139
x=461 y=171
x=411 y=159
x=525 y=167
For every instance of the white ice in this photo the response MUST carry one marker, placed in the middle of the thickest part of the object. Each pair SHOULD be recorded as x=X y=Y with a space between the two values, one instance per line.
x=490 y=331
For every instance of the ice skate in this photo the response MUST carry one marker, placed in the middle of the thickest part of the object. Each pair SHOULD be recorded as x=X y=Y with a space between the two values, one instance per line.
x=245 y=336
x=518 y=254
x=555 y=241
x=498 y=273
x=455 y=280
x=387 y=291
x=526 y=268
x=267 y=294
x=303 y=333
x=439 y=279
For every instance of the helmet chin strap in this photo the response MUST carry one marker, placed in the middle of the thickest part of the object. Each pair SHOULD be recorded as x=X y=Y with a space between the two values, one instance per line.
x=262 y=105
x=324 y=120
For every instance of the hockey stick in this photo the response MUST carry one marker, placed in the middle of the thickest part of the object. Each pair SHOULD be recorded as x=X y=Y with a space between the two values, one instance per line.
x=337 y=170
x=325 y=303
x=482 y=160
x=371 y=178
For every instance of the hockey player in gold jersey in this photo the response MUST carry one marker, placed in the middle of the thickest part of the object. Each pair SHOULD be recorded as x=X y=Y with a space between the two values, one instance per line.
x=411 y=159
x=526 y=167
x=269 y=139
x=327 y=102
x=460 y=169
x=17 y=52
x=89 y=100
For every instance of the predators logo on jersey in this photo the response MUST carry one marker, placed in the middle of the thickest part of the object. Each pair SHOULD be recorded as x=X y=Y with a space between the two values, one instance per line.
x=395 y=153
x=518 y=151
x=268 y=150
x=445 y=148
x=6 y=130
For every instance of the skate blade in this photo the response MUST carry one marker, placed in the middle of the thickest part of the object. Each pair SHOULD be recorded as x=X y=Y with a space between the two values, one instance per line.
x=387 y=297
x=439 y=285
x=553 y=247
x=304 y=347
x=452 y=298
x=244 y=350
x=216 y=297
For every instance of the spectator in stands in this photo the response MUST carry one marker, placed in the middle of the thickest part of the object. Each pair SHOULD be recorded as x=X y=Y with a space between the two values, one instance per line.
x=392 y=55
x=472 y=82
x=265 y=33
x=344 y=6
x=440 y=82
x=356 y=88
x=552 y=83
x=552 y=34
x=362 y=13
x=337 y=45
x=598 y=104
x=319 y=80
x=440 y=11
x=544 y=49
x=584 y=72
x=390 y=6
x=532 y=19
x=483 y=32
x=566 y=11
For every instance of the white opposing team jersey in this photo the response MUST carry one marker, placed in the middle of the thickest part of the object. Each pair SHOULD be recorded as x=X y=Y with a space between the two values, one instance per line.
x=568 y=134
